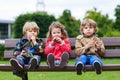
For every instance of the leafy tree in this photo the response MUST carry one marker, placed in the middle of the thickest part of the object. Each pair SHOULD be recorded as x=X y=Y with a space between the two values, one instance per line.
x=103 y=22
x=117 y=20
x=71 y=24
x=42 y=19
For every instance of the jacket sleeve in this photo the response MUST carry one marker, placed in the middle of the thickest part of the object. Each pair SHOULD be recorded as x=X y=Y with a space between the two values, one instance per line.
x=48 y=48
x=79 y=48
x=101 y=52
x=17 y=49
x=66 y=47
x=39 y=47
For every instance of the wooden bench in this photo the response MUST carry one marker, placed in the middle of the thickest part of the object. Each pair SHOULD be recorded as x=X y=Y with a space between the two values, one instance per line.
x=113 y=43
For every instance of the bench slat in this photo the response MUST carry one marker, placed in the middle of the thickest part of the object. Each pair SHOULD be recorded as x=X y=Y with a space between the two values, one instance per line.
x=112 y=53
x=108 y=41
x=106 y=67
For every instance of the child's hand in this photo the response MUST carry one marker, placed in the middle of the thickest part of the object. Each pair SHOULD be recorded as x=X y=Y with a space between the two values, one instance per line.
x=98 y=45
x=57 y=39
x=90 y=44
x=33 y=38
x=23 y=53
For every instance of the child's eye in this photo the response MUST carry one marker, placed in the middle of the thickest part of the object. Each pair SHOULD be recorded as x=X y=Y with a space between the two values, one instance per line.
x=86 y=27
x=58 y=32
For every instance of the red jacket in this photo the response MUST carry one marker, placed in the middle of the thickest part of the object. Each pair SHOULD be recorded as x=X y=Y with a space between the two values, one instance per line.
x=57 y=49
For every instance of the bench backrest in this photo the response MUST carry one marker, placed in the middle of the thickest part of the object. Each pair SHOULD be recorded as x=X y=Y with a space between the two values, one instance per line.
x=112 y=45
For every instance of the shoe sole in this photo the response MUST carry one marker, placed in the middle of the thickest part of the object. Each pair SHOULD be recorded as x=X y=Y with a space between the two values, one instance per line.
x=15 y=65
x=97 y=68
x=79 y=69
x=33 y=64
x=64 y=60
x=51 y=61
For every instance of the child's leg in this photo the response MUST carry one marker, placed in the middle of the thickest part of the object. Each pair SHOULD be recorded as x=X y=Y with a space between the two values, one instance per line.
x=96 y=63
x=64 y=60
x=50 y=60
x=34 y=62
x=79 y=65
x=17 y=63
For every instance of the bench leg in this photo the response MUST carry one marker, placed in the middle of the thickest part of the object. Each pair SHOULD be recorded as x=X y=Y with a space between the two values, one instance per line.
x=25 y=77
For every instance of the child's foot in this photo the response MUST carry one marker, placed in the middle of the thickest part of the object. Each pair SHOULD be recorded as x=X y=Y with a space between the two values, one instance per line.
x=50 y=59
x=24 y=76
x=16 y=65
x=33 y=64
x=64 y=59
x=79 y=68
x=18 y=73
x=97 y=67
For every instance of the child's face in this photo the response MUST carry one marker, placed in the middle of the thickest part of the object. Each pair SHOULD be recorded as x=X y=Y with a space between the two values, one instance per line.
x=56 y=32
x=30 y=33
x=88 y=30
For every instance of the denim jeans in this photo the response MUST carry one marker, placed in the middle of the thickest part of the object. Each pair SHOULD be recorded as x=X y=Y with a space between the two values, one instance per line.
x=22 y=60
x=86 y=59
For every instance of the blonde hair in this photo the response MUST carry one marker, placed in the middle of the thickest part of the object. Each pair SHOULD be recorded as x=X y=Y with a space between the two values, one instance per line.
x=30 y=25
x=91 y=23
x=56 y=25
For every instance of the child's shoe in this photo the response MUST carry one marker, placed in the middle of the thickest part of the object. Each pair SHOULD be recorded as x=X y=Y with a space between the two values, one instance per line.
x=97 y=67
x=64 y=60
x=16 y=65
x=24 y=76
x=50 y=60
x=18 y=73
x=79 y=68
x=33 y=64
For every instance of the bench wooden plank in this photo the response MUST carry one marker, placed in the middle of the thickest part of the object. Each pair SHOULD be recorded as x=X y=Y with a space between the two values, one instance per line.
x=108 y=41
x=106 y=67
x=112 y=53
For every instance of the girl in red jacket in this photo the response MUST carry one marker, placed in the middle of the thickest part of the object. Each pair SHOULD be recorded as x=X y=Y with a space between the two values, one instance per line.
x=57 y=46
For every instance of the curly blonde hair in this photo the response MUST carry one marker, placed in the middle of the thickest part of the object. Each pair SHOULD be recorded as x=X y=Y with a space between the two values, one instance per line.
x=91 y=23
x=30 y=25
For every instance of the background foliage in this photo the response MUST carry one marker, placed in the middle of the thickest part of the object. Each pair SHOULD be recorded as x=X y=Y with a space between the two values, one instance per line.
x=42 y=19
x=107 y=27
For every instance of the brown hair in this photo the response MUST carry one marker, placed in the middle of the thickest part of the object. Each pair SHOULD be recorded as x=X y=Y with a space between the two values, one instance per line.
x=91 y=23
x=30 y=25
x=56 y=25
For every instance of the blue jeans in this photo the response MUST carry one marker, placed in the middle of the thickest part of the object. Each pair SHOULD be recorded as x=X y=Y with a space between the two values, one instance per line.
x=22 y=60
x=84 y=59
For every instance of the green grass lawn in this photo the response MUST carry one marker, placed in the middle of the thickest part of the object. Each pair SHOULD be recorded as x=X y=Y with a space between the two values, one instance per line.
x=106 y=75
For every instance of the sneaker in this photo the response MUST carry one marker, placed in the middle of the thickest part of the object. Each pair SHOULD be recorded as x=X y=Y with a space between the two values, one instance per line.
x=97 y=67
x=79 y=68
x=16 y=65
x=50 y=59
x=64 y=60
x=24 y=76
x=33 y=64
x=18 y=73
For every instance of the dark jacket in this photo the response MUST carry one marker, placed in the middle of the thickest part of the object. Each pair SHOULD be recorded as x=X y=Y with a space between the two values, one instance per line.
x=24 y=45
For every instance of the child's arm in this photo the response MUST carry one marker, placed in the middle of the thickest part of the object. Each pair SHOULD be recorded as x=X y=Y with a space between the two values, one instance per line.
x=80 y=48
x=17 y=49
x=38 y=46
x=100 y=48
x=65 y=45
x=49 y=47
